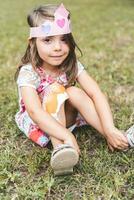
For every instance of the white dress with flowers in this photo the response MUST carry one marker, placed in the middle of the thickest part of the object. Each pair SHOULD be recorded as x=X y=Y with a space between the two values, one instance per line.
x=41 y=82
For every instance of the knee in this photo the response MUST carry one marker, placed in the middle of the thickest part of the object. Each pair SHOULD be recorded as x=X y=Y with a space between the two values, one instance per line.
x=57 y=88
x=75 y=92
x=77 y=95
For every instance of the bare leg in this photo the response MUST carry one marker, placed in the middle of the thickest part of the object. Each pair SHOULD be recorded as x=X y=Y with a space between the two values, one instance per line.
x=84 y=104
x=67 y=117
x=61 y=117
x=64 y=160
x=70 y=113
x=86 y=108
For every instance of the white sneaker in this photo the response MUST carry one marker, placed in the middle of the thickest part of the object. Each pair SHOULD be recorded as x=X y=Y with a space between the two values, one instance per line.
x=130 y=136
x=63 y=159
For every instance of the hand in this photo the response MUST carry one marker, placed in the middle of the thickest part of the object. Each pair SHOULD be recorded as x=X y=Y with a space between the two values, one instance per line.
x=110 y=147
x=116 y=140
x=71 y=140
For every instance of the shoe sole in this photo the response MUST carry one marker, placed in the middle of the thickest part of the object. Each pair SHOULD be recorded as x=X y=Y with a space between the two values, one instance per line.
x=64 y=161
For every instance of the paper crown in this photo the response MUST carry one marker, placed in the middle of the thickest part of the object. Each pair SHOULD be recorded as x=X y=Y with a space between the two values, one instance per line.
x=60 y=25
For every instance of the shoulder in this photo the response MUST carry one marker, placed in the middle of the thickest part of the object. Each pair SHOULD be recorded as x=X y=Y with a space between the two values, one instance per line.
x=80 y=67
x=28 y=76
x=79 y=64
x=27 y=68
x=27 y=71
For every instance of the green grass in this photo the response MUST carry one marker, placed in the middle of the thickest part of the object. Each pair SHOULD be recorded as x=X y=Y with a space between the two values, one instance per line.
x=104 y=30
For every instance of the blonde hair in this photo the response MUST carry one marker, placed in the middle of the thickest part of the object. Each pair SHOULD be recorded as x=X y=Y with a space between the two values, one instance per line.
x=35 y=18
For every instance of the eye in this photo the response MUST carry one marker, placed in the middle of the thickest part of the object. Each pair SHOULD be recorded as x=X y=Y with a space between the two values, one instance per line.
x=64 y=39
x=47 y=40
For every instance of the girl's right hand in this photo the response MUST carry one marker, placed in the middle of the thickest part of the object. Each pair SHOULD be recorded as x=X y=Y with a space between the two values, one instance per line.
x=71 y=140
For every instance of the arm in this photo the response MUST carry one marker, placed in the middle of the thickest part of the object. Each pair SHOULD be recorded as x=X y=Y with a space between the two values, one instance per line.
x=113 y=135
x=99 y=99
x=43 y=119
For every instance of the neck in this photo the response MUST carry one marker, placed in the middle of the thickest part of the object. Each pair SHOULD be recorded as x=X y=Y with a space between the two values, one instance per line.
x=51 y=70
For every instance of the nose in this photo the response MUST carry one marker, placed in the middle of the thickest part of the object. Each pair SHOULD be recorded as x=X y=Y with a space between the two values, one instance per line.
x=57 y=45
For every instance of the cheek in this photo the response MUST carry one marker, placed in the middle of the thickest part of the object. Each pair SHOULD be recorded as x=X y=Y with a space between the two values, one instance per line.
x=66 y=48
x=42 y=50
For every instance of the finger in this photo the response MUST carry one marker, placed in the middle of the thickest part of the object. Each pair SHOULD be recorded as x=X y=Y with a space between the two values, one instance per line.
x=79 y=151
x=120 y=147
x=124 y=139
x=110 y=147
x=77 y=148
x=76 y=145
x=123 y=144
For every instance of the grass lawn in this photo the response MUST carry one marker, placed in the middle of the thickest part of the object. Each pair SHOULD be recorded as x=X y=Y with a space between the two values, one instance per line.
x=104 y=30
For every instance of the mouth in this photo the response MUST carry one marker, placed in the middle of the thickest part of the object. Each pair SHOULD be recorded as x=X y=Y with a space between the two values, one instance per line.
x=57 y=56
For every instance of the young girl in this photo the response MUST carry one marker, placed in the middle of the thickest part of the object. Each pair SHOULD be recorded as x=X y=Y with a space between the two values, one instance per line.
x=50 y=105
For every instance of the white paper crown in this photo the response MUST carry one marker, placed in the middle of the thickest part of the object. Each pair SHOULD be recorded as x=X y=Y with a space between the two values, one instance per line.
x=60 y=25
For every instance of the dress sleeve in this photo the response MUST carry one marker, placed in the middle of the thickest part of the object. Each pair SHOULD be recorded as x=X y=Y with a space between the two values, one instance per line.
x=80 y=68
x=27 y=77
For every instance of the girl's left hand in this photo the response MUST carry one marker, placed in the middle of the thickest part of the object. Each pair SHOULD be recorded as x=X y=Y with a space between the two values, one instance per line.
x=110 y=147
x=116 y=140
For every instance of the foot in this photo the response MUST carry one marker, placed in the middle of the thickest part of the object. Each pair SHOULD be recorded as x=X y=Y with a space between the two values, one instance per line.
x=63 y=159
x=130 y=136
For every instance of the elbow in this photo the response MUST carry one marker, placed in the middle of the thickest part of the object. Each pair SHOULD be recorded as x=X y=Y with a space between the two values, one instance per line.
x=35 y=113
x=32 y=112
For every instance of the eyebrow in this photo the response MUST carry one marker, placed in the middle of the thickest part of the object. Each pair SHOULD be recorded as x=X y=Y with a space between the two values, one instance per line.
x=52 y=36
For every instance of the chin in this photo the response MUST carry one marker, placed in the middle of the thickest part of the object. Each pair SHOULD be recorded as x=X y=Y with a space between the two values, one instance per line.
x=57 y=63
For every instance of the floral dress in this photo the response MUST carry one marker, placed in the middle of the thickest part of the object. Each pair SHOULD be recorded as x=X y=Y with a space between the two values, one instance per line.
x=42 y=83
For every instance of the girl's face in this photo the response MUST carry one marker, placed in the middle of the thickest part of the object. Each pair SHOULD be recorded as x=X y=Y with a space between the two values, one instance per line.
x=53 y=50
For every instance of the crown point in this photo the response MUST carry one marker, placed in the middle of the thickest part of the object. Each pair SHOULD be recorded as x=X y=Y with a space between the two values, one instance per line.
x=61 y=10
